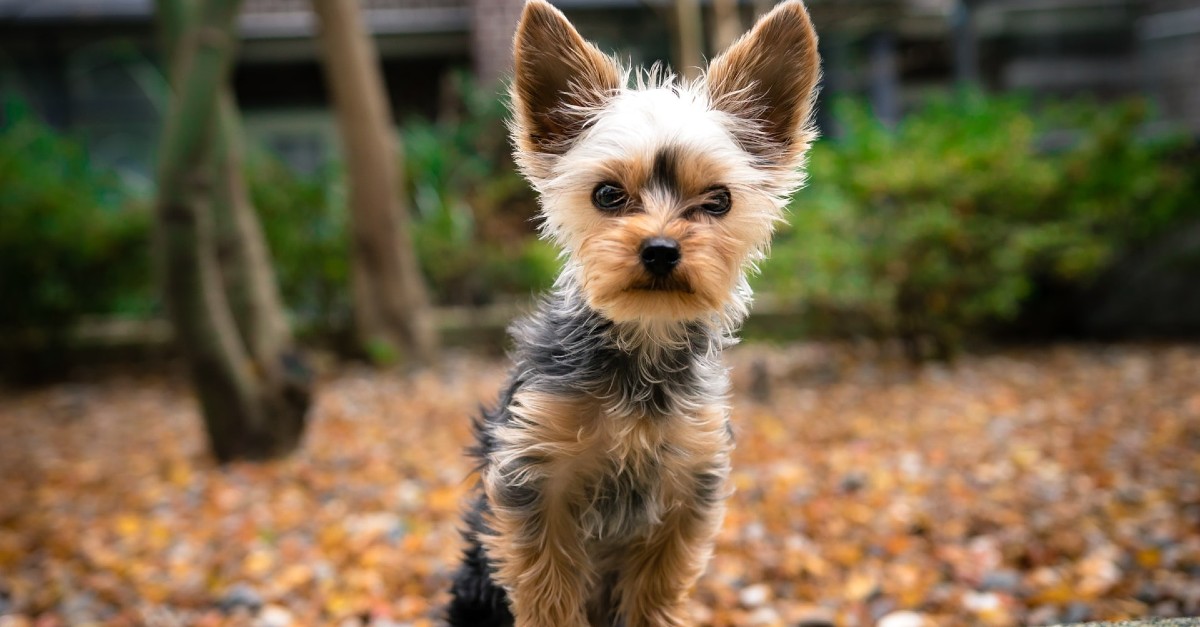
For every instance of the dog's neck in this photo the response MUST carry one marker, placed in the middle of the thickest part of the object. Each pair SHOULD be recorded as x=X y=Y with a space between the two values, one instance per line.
x=633 y=368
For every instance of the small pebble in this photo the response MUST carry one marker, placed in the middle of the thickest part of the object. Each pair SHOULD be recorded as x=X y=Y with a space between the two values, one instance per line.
x=902 y=618
x=765 y=617
x=1004 y=580
x=1077 y=613
x=240 y=595
x=274 y=616
x=812 y=616
x=754 y=596
x=980 y=602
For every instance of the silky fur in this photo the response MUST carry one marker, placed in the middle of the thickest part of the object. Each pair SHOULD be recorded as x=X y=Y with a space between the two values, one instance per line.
x=603 y=468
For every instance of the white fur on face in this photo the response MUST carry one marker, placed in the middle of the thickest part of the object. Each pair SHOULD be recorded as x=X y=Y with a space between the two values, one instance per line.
x=634 y=125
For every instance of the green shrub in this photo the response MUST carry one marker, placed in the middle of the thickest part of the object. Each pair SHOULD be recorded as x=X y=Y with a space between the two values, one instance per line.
x=935 y=231
x=305 y=223
x=939 y=229
x=73 y=242
x=471 y=208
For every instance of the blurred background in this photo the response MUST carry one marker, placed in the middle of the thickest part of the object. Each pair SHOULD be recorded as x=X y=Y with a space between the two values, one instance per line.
x=989 y=166
x=257 y=259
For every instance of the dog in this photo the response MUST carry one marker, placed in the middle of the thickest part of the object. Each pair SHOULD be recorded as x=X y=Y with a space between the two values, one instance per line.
x=603 y=468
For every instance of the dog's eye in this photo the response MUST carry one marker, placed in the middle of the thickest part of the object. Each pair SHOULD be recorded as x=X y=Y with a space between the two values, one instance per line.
x=719 y=200
x=608 y=197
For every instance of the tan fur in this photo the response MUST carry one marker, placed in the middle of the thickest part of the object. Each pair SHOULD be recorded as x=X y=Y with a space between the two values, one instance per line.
x=547 y=562
x=616 y=284
x=541 y=560
x=660 y=570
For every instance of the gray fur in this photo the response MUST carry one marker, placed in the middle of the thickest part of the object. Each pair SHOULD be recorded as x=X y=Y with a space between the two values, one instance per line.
x=567 y=348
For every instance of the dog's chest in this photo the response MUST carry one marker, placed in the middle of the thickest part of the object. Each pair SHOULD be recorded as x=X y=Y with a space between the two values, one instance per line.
x=636 y=477
x=623 y=503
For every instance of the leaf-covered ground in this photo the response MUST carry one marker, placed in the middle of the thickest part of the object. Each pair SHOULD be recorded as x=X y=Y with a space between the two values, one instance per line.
x=1025 y=487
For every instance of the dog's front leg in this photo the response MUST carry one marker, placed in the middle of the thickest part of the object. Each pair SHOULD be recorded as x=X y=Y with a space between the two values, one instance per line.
x=536 y=541
x=659 y=571
x=540 y=556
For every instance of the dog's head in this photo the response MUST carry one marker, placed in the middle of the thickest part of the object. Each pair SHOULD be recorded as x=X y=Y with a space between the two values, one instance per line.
x=663 y=194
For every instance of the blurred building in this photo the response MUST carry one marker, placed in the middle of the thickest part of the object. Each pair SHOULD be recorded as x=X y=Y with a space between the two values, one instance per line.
x=89 y=65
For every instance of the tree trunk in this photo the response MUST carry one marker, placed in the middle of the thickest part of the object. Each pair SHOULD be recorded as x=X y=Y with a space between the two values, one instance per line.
x=689 y=38
x=254 y=394
x=242 y=254
x=391 y=305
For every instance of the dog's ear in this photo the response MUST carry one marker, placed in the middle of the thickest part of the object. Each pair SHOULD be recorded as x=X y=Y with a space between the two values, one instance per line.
x=768 y=78
x=557 y=78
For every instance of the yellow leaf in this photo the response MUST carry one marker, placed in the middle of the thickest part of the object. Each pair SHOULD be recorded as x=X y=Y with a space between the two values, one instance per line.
x=1149 y=557
x=128 y=525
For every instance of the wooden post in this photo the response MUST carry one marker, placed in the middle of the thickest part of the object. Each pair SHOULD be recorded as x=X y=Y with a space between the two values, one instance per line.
x=966 y=45
x=885 y=78
x=727 y=24
x=689 y=29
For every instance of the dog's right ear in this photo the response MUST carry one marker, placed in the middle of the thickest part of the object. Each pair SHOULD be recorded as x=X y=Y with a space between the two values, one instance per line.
x=558 y=78
x=769 y=78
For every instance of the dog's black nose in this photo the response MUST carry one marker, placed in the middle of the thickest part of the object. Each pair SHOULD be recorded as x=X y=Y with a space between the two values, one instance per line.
x=660 y=255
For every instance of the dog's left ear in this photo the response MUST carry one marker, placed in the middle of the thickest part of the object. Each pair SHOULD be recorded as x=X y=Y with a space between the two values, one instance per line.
x=558 y=76
x=768 y=78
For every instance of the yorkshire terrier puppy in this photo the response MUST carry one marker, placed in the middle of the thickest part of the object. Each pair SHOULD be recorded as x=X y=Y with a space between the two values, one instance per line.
x=603 y=468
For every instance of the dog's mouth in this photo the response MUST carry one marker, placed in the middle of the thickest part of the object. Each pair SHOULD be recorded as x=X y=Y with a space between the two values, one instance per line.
x=664 y=284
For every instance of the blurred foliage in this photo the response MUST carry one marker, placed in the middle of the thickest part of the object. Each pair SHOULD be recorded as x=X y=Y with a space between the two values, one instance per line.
x=471 y=216
x=940 y=228
x=73 y=240
x=471 y=208
x=937 y=231
x=305 y=222
x=65 y=218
